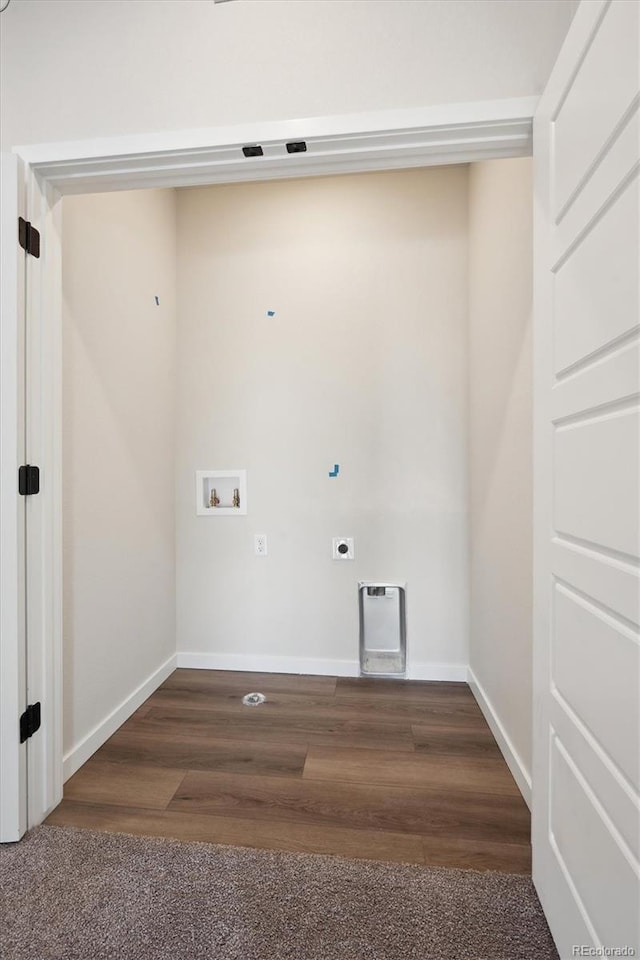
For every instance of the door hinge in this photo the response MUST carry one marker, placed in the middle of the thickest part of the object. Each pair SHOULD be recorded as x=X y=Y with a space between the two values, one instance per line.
x=28 y=480
x=30 y=721
x=28 y=237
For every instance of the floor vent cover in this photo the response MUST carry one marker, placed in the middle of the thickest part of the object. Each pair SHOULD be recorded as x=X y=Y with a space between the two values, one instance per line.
x=253 y=699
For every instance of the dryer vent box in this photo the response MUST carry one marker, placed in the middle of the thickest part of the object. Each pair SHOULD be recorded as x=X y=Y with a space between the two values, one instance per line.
x=383 y=630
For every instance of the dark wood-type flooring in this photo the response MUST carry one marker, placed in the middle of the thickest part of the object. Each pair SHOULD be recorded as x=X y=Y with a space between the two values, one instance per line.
x=379 y=769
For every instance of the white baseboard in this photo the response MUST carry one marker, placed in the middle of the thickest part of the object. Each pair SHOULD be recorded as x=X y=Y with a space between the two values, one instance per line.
x=253 y=663
x=74 y=759
x=451 y=672
x=317 y=666
x=520 y=773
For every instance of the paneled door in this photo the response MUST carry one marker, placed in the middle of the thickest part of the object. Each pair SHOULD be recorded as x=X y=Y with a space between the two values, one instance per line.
x=13 y=677
x=586 y=653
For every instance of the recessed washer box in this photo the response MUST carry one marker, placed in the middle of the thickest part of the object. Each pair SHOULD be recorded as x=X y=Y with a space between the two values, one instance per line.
x=224 y=486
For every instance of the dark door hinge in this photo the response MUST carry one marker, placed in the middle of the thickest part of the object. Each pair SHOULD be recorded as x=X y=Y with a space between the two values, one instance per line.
x=30 y=721
x=28 y=480
x=28 y=237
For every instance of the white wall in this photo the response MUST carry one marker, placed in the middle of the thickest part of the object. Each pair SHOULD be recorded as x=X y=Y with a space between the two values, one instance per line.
x=365 y=365
x=72 y=69
x=500 y=431
x=119 y=253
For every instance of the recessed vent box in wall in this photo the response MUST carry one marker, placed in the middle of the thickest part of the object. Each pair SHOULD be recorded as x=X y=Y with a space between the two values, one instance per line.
x=221 y=493
x=383 y=630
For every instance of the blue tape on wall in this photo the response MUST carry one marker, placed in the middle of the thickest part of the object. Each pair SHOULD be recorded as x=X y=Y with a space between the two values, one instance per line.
x=335 y=471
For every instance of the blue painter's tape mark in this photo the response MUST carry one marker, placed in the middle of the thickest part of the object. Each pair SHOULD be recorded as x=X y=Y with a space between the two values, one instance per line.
x=271 y=313
x=335 y=471
x=157 y=301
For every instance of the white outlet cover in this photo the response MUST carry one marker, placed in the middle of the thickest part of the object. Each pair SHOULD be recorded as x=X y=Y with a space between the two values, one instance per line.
x=260 y=544
x=342 y=554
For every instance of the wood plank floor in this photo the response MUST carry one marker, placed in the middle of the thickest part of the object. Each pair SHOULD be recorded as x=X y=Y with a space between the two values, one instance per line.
x=379 y=769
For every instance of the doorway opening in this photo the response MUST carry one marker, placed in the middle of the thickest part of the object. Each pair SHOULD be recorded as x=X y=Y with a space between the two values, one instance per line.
x=432 y=136
x=288 y=327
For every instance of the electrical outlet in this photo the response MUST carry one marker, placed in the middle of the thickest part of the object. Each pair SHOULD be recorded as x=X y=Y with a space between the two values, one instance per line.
x=343 y=548
x=260 y=544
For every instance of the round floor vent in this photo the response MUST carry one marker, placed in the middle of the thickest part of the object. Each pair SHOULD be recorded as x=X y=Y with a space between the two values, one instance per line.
x=253 y=699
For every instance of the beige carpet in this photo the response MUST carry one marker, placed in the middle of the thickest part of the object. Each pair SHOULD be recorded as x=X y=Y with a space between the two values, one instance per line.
x=75 y=895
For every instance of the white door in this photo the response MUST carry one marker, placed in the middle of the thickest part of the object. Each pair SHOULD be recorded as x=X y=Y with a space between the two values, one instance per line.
x=30 y=620
x=43 y=395
x=13 y=686
x=586 y=823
